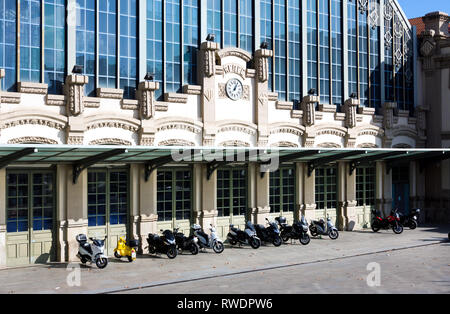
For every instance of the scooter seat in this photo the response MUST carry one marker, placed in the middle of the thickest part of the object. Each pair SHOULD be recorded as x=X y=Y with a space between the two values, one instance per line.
x=87 y=247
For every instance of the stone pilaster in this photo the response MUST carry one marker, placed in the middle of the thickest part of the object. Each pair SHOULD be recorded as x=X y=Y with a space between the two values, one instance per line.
x=348 y=190
x=197 y=193
x=146 y=98
x=74 y=91
x=309 y=193
x=262 y=91
x=308 y=106
x=350 y=109
x=209 y=199
x=148 y=215
x=383 y=188
x=262 y=196
x=388 y=122
x=136 y=171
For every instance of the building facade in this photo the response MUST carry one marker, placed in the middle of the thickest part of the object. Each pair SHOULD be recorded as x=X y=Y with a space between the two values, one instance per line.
x=297 y=76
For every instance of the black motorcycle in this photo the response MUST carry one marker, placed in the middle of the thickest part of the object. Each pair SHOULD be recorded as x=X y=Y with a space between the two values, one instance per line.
x=298 y=230
x=248 y=236
x=164 y=244
x=410 y=220
x=185 y=243
x=269 y=234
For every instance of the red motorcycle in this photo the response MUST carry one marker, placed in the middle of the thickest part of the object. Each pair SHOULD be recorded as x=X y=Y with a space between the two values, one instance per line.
x=390 y=222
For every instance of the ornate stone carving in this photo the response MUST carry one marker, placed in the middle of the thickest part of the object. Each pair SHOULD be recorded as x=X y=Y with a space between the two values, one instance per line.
x=146 y=98
x=363 y=4
x=33 y=121
x=234 y=143
x=75 y=140
x=113 y=124
x=110 y=141
x=388 y=113
x=110 y=93
x=147 y=140
x=350 y=108
x=55 y=100
x=237 y=128
x=286 y=130
x=32 y=88
x=10 y=98
x=262 y=64
x=176 y=142
x=284 y=144
x=209 y=57
x=32 y=140
x=308 y=106
x=421 y=121
x=74 y=90
x=180 y=126
x=223 y=93
x=329 y=145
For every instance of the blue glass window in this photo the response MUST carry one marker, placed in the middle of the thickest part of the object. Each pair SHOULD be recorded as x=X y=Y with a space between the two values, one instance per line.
x=280 y=48
x=324 y=52
x=191 y=40
x=352 y=48
x=128 y=47
x=336 y=52
x=398 y=62
x=54 y=45
x=375 y=84
x=107 y=44
x=312 y=43
x=17 y=198
x=155 y=42
x=409 y=71
x=118 y=197
x=295 y=52
x=266 y=31
x=85 y=45
x=30 y=41
x=97 y=198
x=215 y=19
x=246 y=25
x=388 y=55
x=230 y=23
x=8 y=16
x=43 y=201
x=173 y=49
x=363 y=58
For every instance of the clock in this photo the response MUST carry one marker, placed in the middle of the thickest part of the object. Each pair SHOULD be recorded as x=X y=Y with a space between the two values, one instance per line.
x=234 y=89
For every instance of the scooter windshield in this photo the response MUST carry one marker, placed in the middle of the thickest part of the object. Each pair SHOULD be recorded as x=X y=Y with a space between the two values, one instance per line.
x=250 y=226
x=169 y=235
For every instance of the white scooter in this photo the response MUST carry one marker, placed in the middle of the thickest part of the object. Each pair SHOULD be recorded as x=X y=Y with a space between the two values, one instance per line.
x=208 y=242
x=94 y=252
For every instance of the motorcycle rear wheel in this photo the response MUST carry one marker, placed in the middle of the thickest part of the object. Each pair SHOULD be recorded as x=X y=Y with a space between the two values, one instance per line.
x=413 y=224
x=218 y=247
x=194 y=249
x=255 y=243
x=232 y=242
x=305 y=239
x=375 y=227
x=117 y=255
x=277 y=241
x=285 y=238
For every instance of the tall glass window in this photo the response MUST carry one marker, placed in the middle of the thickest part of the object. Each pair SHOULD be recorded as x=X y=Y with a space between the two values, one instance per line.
x=280 y=48
x=54 y=45
x=155 y=42
x=107 y=44
x=365 y=186
x=375 y=84
x=266 y=31
x=326 y=187
x=398 y=62
x=30 y=41
x=282 y=190
x=8 y=17
x=409 y=71
x=215 y=19
x=246 y=25
x=85 y=46
x=295 y=52
x=230 y=23
x=173 y=51
x=388 y=55
x=231 y=192
x=312 y=43
x=363 y=58
x=352 y=48
x=324 y=51
x=174 y=194
x=128 y=47
x=336 y=52
x=191 y=40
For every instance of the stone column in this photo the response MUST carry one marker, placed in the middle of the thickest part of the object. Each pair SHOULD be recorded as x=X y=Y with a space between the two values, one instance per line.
x=62 y=182
x=135 y=172
x=262 y=89
x=309 y=193
x=77 y=221
x=3 y=217
x=379 y=186
x=299 y=191
x=197 y=193
x=388 y=122
x=383 y=189
x=262 y=196
x=252 y=207
x=147 y=206
x=341 y=196
x=147 y=108
x=74 y=91
x=413 y=172
x=350 y=215
x=209 y=199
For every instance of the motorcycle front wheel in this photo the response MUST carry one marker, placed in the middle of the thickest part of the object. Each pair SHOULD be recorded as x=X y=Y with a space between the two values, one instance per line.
x=413 y=224
x=397 y=229
x=277 y=241
x=172 y=252
x=194 y=249
x=101 y=262
x=375 y=227
x=314 y=232
x=334 y=234
x=305 y=239
x=218 y=247
x=255 y=243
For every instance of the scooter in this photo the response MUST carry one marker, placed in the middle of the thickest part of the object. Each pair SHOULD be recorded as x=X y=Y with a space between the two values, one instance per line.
x=320 y=227
x=411 y=220
x=126 y=250
x=186 y=243
x=248 y=236
x=94 y=252
x=392 y=221
x=298 y=231
x=269 y=234
x=164 y=244
x=208 y=242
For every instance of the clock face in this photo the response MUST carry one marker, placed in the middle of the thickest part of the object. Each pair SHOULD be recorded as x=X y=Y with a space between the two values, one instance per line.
x=234 y=89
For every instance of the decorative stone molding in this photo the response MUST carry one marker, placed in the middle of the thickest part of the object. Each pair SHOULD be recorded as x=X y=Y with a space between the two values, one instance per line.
x=284 y=105
x=272 y=96
x=319 y=115
x=235 y=69
x=32 y=140
x=237 y=128
x=297 y=114
x=161 y=106
x=180 y=126
x=331 y=131
x=366 y=111
x=421 y=120
x=403 y=113
x=32 y=88
x=251 y=73
x=75 y=140
x=33 y=121
x=262 y=64
x=74 y=91
x=192 y=89
x=367 y=145
x=113 y=124
x=326 y=108
x=147 y=141
x=129 y=104
x=388 y=114
x=110 y=93
x=208 y=50
x=176 y=98
x=234 y=52
x=10 y=98
x=339 y=116
x=283 y=144
x=176 y=142
x=350 y=108
x=286 y=130
x=329 y=145
x=91 y=102
x=308 y=106
x=55 y=100
x=110 y=141
x=223 y=94
x=234 y=143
